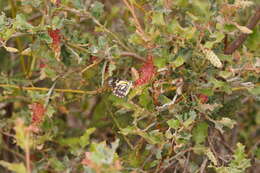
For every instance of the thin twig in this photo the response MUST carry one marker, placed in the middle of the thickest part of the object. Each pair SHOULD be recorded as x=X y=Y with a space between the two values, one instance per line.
x=87 y=14
x=139 y=29
x=242 y=37
x=172 y=159
x=92 y=65
x=186 y=163
x=134 y=55
x=203 y=165
x=99 y=90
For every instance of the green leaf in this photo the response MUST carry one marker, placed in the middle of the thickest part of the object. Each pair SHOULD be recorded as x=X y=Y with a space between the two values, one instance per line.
x=56 y=164
x=219 y=124
x=102 y=154
x=136 y=91
x=160 y=62
x=200 y=132
x=219 y=36
x=22 y=135
x=135 y=39
x=255 y=91
x=145 y=99
x=190 y=120
x=21 y=23
x=174 y=27
x=206 y=91
x=57 y=22
x=153 y=137
x=178 y=62
x=175 y=124
x=84 y=139
x=128 y=130
x=97 y=8
x=158 y=19
x=240 y=161
x=15 y=167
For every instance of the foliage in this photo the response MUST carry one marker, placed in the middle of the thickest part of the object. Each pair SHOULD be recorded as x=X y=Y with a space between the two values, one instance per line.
x=192 y=107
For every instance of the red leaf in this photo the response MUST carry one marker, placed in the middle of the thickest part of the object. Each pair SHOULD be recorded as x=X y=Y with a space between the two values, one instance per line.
x=203 y=98
x=56 y=40
x=86 y=161
x=38 y=111
x=147 y=72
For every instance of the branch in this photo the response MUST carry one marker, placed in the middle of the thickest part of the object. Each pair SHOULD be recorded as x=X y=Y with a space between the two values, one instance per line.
x=242 y=37
x=97 y=91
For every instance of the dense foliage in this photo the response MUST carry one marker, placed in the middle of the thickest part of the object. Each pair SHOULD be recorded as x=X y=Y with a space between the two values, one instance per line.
x=191 y=68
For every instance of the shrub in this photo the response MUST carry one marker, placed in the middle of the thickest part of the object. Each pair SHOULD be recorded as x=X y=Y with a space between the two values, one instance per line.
x=129 y=86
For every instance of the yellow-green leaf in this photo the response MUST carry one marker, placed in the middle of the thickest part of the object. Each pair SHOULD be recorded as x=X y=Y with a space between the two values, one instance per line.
x=11 y=49
x=15 y=167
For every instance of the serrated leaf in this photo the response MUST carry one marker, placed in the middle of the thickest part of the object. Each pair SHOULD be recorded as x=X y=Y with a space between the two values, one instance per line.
x=15 y=167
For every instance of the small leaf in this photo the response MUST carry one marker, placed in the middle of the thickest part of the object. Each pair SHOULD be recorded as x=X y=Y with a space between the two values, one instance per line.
x=191 y=119
x=22 y=135
x=84 y=139
x=255 y=91
x=175 y=124
x=158 y=19
x=227 y=122
x=243 y=29
x=27 y=52
x=97 y=8
x=200 y=132
x=178 y=62
x=16 y=167
x=211 y=157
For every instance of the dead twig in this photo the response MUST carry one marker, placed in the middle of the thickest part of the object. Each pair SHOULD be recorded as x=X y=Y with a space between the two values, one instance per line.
x=203 y=165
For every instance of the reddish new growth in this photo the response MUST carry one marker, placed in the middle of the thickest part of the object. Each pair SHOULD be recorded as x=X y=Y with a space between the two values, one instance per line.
x=56 y=39
x=147 y=72
x=42 y=65
x=38 y=111
x=86 y=161
x=203 y=98
x=58 y=2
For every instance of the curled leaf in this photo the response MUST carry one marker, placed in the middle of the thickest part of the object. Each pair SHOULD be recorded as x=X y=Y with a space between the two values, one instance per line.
x=147 y=71
x=243 y=29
